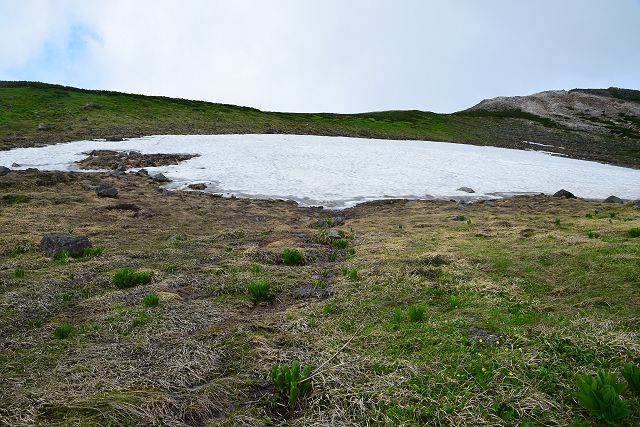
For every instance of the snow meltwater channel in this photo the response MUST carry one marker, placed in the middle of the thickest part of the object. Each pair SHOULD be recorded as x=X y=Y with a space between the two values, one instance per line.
x=338 y=172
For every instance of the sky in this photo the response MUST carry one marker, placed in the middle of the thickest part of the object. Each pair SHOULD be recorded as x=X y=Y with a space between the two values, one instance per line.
x=324 y=55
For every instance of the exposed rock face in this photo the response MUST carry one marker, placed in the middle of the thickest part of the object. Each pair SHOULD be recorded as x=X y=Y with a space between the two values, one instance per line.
x=466 y=189
x=106 y=190
x=43 y=126
x=564 y=193
x=613 y=199
x=4 y=170
x=123 y=160
x=591 y=110
x=54 y=243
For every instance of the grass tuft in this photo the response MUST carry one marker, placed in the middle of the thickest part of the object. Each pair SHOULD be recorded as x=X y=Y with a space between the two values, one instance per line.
x=127 y=278
x=62 y=331
x=19 y=273
x=259 y=290
x=292 y=257
x=416 y=313
x=151 y=300
x=634 y=232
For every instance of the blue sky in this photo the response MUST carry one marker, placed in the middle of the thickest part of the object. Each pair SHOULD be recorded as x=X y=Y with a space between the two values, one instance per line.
x=324 y=55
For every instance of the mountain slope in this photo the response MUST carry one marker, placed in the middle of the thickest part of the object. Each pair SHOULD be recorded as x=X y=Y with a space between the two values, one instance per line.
x=34 y=113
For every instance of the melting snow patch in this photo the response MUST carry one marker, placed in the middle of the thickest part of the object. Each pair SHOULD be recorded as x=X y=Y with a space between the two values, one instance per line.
x=339 y=172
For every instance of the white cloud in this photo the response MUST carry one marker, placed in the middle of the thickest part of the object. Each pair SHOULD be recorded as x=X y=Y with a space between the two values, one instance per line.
x=327 y=55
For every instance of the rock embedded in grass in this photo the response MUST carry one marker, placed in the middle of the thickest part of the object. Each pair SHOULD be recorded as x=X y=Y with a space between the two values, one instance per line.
x=106 y=190
x=55 y=243
x=564 y=193
x=4 y=170
x=198 y=186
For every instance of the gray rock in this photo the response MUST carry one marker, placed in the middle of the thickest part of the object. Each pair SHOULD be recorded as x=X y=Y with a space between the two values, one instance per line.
x=142 y=172
x=106 y=190
x=15 y=165
x=483 y=336
x=54 y=243
x=198 y=186
x=333 y=234
x=613 y=199
x=636 y=204
x=160 y=178
x=564 y=193
x=121 y=168
x=4 y=170
x=43 y=126
x=466 y=189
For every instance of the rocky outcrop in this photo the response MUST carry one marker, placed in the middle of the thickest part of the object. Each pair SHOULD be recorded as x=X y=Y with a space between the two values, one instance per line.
x=613 y=199
x=106 y=190
x=123 y=160
x=565 y=194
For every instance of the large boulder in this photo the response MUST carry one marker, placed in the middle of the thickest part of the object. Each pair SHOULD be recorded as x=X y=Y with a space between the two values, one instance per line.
x=613 y=199
x=4 y=170
x=564 y=193
x=106 y=190
x=54 y=243
x=160 y=178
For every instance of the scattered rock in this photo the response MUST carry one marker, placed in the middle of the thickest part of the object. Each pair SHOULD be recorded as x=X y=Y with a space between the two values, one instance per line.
x=32 y=170
x=106 y=190
x=4 y=170
x=178 y=237
x=120 y=167
x=198 y=186
x=142 y=172
x=54 y=243
x=333 y=234
x=466 y=189
x=91 y=106
x=109 y=159
x=15 y=165
x=613 y=199
x=114 y=138
x=636 y=203
x=43 y=126
x=483 y=336
x=564 y=193
x=160 y=178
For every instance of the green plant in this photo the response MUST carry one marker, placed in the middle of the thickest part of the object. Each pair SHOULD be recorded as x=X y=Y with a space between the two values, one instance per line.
x=589 y=216
x=593 y=234
x=601 y=396
x=350 y=273
x=95 y=251
x=340 y=243
x=634 y=232
x=126 y=278
x=557 y=221
x=332 y=256
x=454 y=301
x=631 y=374
x=459 y=218
x=62 y=257
x=62 y=331
x=416 y=313
x=259 y=290
x=292 y=257
x=12 y=199
x=19 y=273
x=151 y=300
x=255 y=268
x=290 y=382
x=396 y=316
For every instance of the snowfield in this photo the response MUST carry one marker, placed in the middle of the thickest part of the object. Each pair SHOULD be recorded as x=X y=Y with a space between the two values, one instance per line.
x=338 y=172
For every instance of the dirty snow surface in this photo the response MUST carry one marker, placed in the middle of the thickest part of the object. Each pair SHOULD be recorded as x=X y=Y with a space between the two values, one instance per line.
x=338 y=172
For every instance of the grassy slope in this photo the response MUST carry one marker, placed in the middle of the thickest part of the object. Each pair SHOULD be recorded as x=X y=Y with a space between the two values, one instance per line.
x=562 y=301
x=78 y=114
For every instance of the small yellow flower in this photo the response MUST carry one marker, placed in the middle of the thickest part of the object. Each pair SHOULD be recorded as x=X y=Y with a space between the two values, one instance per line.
x=484 y=370
x=457 y=375
x=446 y=321
x=480 y=340
x=479 y=354
x=506 y=349
x=520 y=349
x=510 y=373
x=497 y=342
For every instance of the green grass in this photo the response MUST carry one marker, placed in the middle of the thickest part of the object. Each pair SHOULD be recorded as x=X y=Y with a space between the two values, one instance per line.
x=151 y=300
x=127 y=278
x=93 y=251
x=416 y=313
x=74 y=114
x=292 y=257
x=18 y=273
x=259 y=290
x=13 y=199
x=63 y=331
x=340 y=243
x=634 y=232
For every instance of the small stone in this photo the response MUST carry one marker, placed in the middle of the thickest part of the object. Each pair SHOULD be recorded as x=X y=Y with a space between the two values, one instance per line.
x=142 y=172
x=15 y=165
x=613 y=199
x=466 y=189
x=43 y=126
x=54 y=243
x=106 y=190
x=121 y=167
x=4 y=170
x=564 y=193
x=333 y=234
